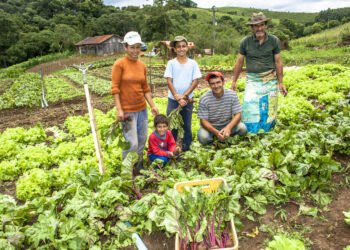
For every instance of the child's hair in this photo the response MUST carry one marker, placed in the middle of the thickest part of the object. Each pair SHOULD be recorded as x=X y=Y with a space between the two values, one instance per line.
x=160 y=119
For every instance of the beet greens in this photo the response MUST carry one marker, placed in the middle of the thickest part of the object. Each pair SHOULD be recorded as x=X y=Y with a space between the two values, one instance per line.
x=202 y=218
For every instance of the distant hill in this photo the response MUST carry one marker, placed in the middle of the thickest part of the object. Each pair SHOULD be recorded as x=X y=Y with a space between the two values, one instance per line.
x=231 y=26
x=298 y=17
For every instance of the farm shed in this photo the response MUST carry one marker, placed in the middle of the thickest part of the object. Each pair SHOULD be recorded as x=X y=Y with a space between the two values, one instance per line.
x=100 y=45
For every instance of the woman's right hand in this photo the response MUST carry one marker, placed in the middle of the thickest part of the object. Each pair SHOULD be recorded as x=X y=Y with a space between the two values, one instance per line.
x=120 y=115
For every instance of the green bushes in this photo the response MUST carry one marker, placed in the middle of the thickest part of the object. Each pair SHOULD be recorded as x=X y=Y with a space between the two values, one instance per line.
x=24 y=92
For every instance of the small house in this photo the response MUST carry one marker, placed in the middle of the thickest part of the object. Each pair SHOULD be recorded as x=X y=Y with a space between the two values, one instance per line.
x=100 y=45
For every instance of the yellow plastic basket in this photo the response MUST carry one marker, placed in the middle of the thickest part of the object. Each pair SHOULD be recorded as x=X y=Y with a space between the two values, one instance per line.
x=208 y=185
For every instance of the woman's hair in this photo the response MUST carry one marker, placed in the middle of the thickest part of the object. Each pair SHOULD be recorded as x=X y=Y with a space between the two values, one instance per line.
x=160 y=119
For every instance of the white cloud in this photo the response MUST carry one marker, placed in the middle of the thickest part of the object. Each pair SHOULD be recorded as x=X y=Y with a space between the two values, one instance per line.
x=277 y=5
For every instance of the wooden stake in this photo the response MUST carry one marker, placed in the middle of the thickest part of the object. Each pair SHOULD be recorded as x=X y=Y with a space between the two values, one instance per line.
x=98 y=150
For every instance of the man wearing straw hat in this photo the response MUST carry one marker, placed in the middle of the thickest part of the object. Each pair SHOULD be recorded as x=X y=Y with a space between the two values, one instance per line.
x=264 y=75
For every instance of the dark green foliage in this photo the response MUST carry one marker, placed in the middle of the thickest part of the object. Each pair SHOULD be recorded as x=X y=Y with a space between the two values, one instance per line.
x=186 y=3
x=295 y=28
x=300 y=17
x=32 y=28
x=35 y=28
x=341 y=15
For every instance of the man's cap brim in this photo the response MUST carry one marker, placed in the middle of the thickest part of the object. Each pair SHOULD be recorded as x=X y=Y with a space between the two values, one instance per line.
x=214 y=73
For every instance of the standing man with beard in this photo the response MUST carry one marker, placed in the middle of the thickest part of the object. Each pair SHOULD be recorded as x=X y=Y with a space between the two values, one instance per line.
x=264 y=76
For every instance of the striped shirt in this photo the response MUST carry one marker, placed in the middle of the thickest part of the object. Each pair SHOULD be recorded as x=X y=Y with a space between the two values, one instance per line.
x=219 y=111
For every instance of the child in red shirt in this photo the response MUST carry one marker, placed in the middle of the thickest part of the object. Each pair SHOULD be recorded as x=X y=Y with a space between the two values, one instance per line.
x=161 y=143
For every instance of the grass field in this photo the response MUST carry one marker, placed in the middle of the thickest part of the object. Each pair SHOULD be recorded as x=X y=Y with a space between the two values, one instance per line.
x=327 y=38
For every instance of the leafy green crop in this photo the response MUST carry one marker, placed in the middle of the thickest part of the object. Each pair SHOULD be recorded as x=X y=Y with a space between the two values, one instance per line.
x=24 y=92
x=19 y=153
x=176 y=121
x=115 y=133
x=34 y=183
x=9 y=170
x=283 y=242
x=24 y=136
x=78 y=125
x=57 y=89
x=196 y=216
x=347 y=217
x=97 y=85
x=34 y=157
x=65 y=195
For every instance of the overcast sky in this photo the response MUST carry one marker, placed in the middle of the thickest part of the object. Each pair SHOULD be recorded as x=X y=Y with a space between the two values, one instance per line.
x=277 y=5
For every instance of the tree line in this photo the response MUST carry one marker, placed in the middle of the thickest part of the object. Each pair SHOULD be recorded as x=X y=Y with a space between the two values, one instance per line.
x=30 y=28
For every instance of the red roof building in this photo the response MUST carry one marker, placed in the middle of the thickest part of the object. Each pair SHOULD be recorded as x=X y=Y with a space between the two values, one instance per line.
x=100 y=45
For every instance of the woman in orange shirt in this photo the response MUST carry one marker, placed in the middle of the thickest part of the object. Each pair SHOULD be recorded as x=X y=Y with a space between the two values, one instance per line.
x=131 y=91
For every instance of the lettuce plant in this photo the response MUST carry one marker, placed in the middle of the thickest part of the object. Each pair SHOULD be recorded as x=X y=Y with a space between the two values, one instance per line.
x=283 y=242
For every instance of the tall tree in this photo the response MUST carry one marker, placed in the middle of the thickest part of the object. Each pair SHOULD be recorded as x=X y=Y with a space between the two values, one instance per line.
x=115 y=23
x=9 y=33
x=64 y=38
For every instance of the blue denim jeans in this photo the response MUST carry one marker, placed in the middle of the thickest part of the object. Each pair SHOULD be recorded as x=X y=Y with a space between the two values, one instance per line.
x=186 y=114
x=205 y=137
x=153 y=157
x=135 y=132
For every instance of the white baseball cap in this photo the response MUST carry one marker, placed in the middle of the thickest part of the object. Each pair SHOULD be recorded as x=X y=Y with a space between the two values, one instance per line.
x=132 y=37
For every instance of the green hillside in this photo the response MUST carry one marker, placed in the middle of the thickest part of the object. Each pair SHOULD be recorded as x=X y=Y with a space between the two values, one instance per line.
x=299 y=17
x=330 y=37
x=331 y=45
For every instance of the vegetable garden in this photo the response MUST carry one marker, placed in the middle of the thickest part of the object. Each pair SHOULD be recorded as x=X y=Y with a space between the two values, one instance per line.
x=286 y=189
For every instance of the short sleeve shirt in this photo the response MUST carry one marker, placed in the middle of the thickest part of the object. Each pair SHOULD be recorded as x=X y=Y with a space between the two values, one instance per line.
x=182 y=75
x=260 y=57
x=219 y=111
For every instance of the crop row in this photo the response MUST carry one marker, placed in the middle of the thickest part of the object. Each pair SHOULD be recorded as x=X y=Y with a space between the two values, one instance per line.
x=96 y=85
x=26 y=91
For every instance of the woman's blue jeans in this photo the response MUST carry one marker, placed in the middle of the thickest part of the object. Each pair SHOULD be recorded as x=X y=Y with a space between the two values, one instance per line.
x=186 y=114
x=135 y=132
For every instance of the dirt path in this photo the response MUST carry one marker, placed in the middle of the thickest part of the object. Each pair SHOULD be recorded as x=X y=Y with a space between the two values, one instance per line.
x=51 y=67
x=55 y=114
